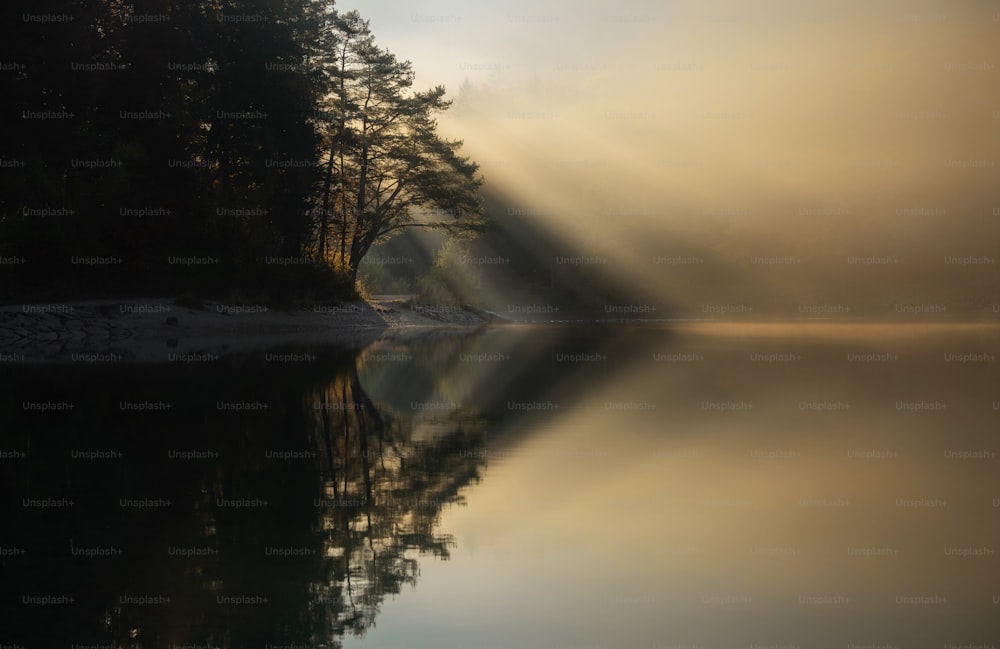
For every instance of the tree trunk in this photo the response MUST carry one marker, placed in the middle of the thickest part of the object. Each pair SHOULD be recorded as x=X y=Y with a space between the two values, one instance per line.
x=354 y=267
x=326 y=207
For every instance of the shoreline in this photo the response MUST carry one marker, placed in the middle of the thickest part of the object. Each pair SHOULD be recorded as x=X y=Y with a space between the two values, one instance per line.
x=158 y=330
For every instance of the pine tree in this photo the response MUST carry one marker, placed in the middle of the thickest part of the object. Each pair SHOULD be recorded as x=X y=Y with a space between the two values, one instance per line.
x=387 y=167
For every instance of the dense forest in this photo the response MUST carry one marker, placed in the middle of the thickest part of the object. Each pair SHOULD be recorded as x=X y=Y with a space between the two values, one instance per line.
x=253 y=149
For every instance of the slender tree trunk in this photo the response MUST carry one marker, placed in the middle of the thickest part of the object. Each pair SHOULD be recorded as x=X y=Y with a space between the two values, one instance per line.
x=324 y=217
x=362 y=183
x=343 y=216
x=340 y=152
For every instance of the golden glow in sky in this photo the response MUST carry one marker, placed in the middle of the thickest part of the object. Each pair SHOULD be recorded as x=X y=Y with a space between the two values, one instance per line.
x=767 y=154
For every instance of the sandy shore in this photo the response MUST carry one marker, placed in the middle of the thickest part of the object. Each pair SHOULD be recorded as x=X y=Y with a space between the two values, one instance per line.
x=158 y=330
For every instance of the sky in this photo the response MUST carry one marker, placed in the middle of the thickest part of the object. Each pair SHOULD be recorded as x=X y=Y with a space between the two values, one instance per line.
x=759 y=159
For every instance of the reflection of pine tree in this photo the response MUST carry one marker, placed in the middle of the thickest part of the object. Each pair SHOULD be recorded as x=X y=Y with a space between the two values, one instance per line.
x=382 y=496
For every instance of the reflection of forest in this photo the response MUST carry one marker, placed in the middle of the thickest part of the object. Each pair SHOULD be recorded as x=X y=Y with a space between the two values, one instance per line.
x=315 y=508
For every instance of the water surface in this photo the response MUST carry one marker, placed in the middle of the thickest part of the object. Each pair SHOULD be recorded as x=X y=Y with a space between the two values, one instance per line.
x=704 y=485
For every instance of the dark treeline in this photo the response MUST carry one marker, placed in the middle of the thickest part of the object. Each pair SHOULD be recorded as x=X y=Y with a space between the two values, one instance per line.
x=252 y=149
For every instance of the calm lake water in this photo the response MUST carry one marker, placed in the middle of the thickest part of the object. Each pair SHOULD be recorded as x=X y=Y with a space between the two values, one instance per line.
x=703 y=485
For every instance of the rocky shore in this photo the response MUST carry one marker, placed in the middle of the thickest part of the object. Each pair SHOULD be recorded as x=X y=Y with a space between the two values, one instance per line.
x=159 y=330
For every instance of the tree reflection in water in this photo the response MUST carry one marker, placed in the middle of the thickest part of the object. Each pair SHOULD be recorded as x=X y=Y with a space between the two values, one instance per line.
x=382 y=497
x=317 y=505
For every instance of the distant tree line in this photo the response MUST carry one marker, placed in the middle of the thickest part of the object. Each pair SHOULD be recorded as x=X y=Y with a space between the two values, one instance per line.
x=252 y=147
